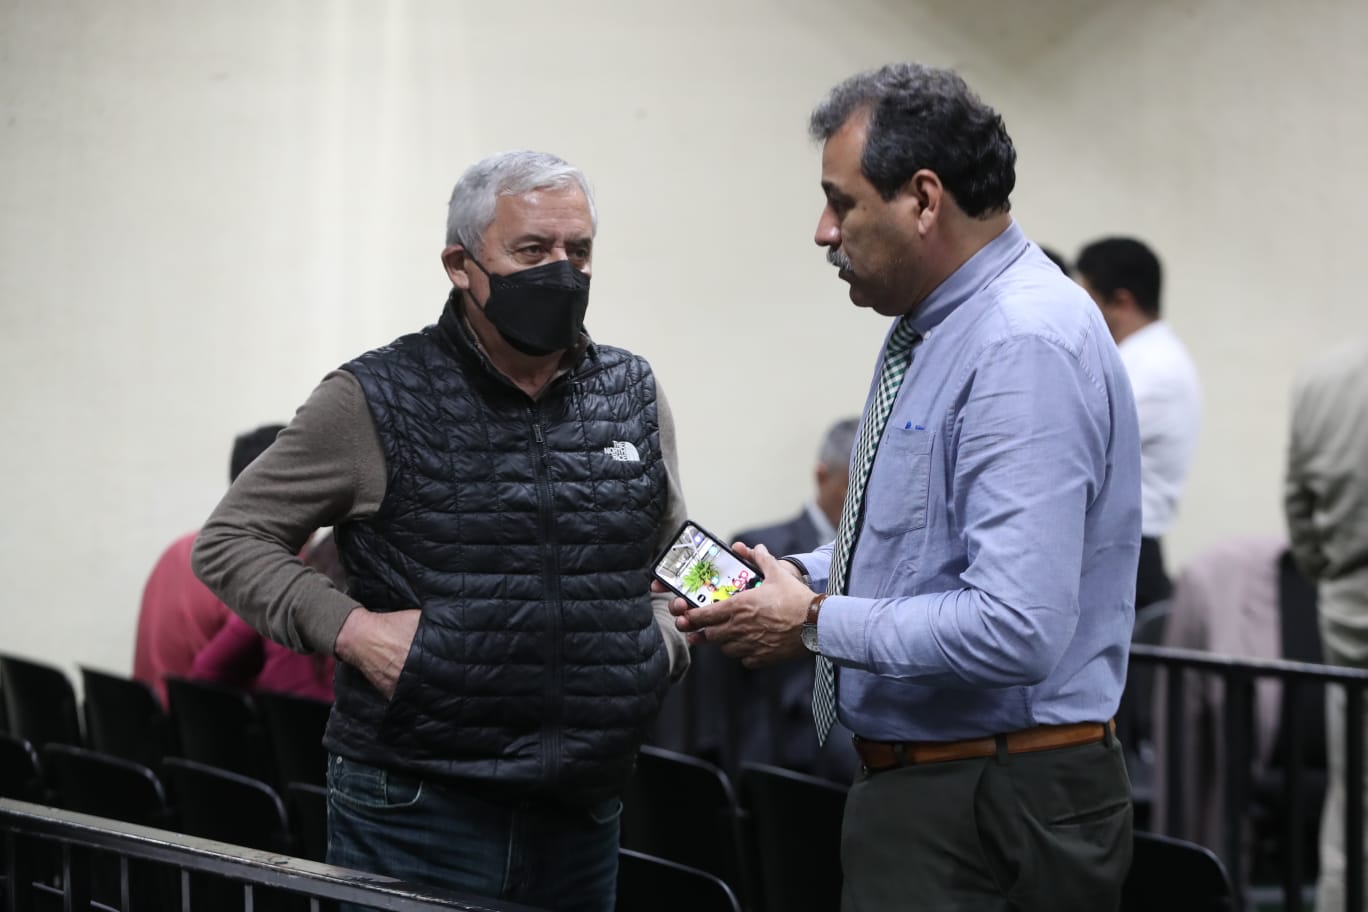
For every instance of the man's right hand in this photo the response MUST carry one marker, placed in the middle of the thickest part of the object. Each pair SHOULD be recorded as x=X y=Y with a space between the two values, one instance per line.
x=377 y=643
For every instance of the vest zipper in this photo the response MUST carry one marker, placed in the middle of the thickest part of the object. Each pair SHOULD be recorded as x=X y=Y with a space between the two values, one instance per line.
x=551 y=596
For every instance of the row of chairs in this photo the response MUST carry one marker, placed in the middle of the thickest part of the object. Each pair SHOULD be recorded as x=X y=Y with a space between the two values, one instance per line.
x=274 y=737
x=183 y=796
x=757 y=842
x=759 y=838
x=199 y=800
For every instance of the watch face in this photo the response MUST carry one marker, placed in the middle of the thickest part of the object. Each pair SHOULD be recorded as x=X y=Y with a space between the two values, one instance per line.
x=809 y=635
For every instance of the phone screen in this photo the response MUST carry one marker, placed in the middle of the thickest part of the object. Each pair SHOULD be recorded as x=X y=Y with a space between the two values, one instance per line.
x=699 y=567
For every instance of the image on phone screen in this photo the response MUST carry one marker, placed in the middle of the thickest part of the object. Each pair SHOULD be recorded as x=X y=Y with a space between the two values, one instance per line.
x=699 y=567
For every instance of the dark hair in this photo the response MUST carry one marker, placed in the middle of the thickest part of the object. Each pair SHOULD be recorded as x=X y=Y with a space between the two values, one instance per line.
x=249 y=445
x=1112 y=264
x=1055 y=258
x=923 y=117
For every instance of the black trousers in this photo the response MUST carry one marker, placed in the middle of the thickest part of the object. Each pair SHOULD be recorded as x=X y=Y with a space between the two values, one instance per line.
x=1152 y=584
x=1048 y=831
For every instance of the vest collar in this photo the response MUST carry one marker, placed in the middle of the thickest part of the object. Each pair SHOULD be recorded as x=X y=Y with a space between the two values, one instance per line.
x=455 y=331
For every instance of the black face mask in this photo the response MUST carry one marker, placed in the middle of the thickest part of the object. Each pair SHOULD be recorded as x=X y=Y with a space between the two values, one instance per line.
x=539 y=310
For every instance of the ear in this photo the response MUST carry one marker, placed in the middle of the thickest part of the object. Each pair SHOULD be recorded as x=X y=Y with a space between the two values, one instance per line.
x=924 y=198
x=1123 y=299
x=454 y=260
x=822 y=474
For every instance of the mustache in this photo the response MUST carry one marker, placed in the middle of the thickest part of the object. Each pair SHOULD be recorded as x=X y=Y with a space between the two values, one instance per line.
x=838 y=259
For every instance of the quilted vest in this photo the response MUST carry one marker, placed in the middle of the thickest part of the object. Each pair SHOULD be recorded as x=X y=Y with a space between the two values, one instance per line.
x=524 y=530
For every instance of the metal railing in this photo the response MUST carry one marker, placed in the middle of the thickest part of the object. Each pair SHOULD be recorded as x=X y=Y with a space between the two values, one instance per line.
x=39 y=838
x=1239 y=676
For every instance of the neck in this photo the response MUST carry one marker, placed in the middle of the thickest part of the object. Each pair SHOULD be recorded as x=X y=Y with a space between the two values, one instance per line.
x=961 y=238
x=1129 y=325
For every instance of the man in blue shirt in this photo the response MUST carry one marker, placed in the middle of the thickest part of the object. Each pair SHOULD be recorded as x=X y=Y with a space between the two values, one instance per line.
x=978 y=600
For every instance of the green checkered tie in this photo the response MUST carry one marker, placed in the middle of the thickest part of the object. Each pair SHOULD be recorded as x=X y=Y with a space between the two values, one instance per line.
x=897 y=358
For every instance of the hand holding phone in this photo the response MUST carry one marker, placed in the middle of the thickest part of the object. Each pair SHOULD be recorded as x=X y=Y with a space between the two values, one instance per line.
x=700 y=568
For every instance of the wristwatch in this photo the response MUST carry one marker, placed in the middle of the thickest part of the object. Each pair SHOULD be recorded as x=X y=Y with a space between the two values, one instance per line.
x=809 y=631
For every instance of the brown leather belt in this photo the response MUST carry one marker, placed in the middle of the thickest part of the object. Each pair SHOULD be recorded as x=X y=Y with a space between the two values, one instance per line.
x=883 y=755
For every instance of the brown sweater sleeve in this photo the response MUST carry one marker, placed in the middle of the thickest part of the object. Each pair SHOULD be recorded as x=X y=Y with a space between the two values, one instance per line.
x=325 y=468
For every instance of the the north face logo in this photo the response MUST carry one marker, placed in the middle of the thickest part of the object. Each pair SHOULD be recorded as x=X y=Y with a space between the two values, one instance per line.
x=622 y=451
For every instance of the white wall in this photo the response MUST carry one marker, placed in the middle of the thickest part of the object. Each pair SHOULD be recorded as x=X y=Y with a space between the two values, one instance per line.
x=204 y=207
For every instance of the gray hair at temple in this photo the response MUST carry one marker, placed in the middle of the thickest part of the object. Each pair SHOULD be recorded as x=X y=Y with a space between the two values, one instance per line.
x=834 y=452
x=924 y=117
x=511 y=173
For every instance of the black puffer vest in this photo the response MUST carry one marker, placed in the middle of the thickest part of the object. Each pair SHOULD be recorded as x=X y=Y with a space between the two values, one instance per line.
x=524 y=531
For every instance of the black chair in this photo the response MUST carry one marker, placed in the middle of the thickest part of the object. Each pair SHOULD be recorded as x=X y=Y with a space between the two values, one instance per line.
x=684 y=809
x=218 y=726
x=649 y=884
x=93 y=783
x=308 y=809
x=40 y=702
x=294 y=728
x=794 y=824
x=21 y=773
x=1173 y=875
x=124 y=718
x=214 y=803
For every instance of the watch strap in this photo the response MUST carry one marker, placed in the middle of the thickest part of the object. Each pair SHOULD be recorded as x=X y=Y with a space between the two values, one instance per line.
x=814 y=608
x=807 y=579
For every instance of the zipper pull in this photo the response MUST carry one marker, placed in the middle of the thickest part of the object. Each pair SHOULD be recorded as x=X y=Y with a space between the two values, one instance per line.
x=536 y=431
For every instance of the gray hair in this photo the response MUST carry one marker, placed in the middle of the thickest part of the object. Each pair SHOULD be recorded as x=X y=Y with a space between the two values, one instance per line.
x=511 y=173
x=834 y=452
x=924 y=117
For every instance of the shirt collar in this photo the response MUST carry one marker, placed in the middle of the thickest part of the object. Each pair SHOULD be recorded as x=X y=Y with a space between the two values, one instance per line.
x=970 y=278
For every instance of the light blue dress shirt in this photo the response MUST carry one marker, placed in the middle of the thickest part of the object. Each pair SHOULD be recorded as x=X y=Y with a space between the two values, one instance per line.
x=992 y=585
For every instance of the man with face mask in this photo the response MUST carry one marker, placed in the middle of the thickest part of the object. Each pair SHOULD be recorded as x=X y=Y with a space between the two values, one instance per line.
x=498 y=484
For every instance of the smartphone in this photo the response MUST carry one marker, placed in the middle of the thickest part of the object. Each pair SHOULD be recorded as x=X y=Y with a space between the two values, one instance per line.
x=700 y=568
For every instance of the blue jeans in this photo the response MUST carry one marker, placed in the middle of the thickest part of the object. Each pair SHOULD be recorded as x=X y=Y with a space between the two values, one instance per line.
x=446 y=835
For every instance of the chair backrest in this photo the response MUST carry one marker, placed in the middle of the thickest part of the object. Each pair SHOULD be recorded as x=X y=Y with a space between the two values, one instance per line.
x=21 y=773
x=308 y=807
x=683 y=809
x=39 y=701
x=649 y=884
x=93 y=783
x=124 y=718
x=218 y=726
x=794 y=821
x=217 y=804
x=1175 y=874
x=294 y=729
x=106 y=786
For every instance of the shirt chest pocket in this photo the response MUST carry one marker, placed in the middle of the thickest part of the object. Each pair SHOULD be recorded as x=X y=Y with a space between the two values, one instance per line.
x=897 y=499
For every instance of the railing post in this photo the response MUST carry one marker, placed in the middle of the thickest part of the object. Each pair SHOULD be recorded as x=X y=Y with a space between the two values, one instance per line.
x=21 y=860
x=1239 y=714
x=1293 y=793
x=75 y=878
x=1354 y=859
x=1173 y=751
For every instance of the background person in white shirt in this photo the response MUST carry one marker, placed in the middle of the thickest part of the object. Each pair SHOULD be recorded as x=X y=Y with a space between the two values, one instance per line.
x=1124 y=278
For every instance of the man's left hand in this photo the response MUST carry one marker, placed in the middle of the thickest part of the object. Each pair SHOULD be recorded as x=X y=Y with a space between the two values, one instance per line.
x=759 y=626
